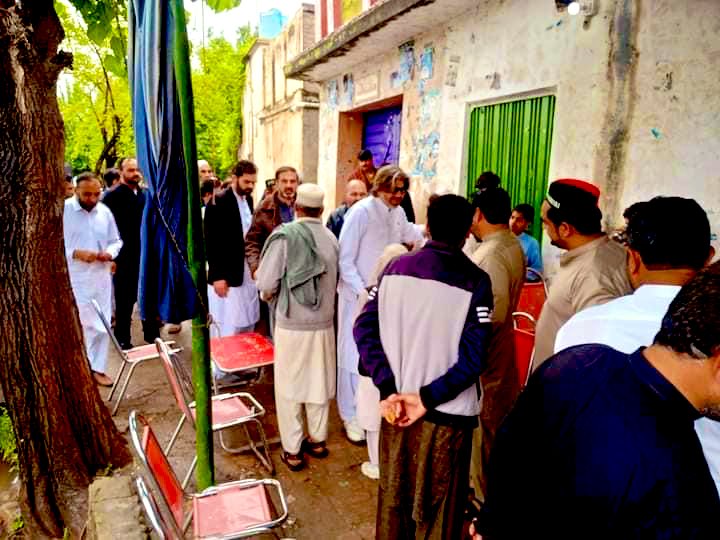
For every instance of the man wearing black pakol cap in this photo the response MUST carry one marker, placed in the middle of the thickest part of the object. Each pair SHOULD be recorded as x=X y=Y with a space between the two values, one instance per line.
x=593 y=270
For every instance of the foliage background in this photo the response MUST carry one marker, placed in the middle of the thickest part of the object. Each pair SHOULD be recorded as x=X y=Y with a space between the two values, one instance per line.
x=95 y=98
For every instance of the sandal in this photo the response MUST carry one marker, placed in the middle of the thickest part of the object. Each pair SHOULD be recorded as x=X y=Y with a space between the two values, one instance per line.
x=294 y=462
x=315 y=449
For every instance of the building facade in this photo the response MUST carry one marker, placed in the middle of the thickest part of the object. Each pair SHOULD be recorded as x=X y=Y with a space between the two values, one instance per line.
x=625 y=95
x=281 y=115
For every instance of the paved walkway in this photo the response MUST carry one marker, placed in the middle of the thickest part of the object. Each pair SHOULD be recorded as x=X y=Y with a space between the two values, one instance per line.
x=329 y=499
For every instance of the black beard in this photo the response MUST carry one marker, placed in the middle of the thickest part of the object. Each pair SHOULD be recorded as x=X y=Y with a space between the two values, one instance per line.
x=86 y=207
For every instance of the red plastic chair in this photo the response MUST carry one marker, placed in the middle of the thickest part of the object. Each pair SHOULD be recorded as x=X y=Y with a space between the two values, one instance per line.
x=524 y=334
x=231 y=510
x=241 y=353
x=130 y=357
x=532 y=298
x=228 y=410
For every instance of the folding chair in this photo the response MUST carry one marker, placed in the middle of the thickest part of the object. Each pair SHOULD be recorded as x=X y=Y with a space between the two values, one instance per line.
x=231 y=510
x=532 y=298
x=130 y=357
x=228 y=410
x=524 y=334
x=239 y=354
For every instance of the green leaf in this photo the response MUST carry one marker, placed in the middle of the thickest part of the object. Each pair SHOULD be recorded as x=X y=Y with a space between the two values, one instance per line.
x=222 y=5
x=97 y=32
x=118 y=46
x=115 y=65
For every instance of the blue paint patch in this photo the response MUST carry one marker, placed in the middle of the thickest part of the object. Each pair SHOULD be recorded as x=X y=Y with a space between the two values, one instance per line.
x=407 y=65
x=555 y=25
x=332 y=91
x=348 y=89
x=656 y=133
x=427 y=61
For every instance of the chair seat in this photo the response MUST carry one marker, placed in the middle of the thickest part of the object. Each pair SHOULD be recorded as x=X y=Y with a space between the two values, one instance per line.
x=141 y=352
x=241 y=352
x=230 y=510
x=227 y=411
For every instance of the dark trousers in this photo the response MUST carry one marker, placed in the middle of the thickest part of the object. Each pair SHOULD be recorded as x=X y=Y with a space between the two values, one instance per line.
x=126 y=292
x=423 y=481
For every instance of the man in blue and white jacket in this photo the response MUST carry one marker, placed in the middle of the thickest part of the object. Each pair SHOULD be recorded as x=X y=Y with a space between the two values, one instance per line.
x=423 y=337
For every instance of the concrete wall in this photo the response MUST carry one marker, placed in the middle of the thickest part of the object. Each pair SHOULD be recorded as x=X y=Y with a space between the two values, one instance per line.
x=636 y=86
x=281 y=115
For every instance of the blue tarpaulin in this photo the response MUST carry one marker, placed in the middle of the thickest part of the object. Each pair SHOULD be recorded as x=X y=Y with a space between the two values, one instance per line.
x=166 y=287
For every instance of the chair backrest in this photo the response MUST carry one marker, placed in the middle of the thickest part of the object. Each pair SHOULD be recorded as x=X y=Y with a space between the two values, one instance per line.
x=532 y=298
x=108 y=328
x=158 y=470
x=150 y=507
x=524 y=350
x=178 y=384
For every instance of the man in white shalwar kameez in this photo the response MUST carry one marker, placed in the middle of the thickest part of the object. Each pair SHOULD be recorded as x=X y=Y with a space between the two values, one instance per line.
x=298 y=268
x=232 y=295
x=370 y=226
x=92 y=241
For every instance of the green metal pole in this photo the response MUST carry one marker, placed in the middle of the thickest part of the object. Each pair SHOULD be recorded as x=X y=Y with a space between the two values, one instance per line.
x=205 y=471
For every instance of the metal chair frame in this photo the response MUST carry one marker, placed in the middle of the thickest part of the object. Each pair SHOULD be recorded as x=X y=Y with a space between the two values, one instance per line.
x=523 y=315
x=127 y=359
x=181 y=384
x=158 y=508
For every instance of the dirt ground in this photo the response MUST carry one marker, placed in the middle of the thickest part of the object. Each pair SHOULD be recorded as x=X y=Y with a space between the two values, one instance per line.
x=329 y=499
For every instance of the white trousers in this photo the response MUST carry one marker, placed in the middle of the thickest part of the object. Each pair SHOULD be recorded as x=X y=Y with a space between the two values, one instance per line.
x=373 y=446
x=347 y=384
x=290 y=422
x=97 y=340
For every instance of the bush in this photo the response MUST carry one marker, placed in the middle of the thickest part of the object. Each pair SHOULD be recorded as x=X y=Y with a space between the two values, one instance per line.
x=8 y=449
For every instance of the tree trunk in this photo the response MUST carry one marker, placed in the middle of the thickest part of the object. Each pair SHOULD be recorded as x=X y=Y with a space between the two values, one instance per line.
x=65 y=434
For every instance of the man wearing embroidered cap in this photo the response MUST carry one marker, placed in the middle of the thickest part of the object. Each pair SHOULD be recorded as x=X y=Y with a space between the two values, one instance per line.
x=299 y=267
x=593 y=270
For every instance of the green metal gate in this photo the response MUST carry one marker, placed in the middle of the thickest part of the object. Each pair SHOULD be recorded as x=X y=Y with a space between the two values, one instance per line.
x=513 y=140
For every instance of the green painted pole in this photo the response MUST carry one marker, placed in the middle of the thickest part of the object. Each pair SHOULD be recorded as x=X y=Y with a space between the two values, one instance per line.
x=205 y=471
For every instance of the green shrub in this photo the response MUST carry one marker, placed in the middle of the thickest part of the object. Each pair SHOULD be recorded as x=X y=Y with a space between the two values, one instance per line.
x=8 y=449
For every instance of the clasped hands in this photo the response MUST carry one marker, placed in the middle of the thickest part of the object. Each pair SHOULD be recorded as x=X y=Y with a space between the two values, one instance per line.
x=402 y=410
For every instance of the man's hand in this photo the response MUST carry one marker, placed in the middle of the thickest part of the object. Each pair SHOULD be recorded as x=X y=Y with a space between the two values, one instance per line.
x=392 y=409
x=413 y=408
x=103 y=257
x=221 y=288
x=85 y=255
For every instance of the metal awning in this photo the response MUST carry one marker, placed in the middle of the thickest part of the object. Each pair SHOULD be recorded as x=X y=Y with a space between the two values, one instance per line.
x=376 y=31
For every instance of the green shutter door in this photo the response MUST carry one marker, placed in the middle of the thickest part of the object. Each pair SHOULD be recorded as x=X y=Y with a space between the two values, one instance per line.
x=513 y=140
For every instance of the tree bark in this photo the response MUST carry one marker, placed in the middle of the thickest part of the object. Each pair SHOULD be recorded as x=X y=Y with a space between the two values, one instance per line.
x=65 y=434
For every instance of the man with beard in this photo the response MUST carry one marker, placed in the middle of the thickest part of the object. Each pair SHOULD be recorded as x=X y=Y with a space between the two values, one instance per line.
x=592 y=271
x=232 y=295
x=371 y=225
x=355 y=190
x=273 y=210
x=661 y=258
x=613 y=449
x=92 y=241
x=127 y=201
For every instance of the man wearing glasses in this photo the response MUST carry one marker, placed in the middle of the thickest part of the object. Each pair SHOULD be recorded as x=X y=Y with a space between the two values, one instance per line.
x=370 y=225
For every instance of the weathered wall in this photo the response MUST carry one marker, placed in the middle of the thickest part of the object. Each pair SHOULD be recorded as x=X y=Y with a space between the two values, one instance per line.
x=674 y=133
x=637 y=108
x=281 y=115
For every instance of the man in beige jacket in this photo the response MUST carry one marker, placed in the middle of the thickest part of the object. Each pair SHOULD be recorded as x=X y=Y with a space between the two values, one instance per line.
x=500 y=254
x=593 y=270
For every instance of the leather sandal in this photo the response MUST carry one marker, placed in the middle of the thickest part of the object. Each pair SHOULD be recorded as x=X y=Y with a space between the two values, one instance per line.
x=294 y=462
x=315 y=449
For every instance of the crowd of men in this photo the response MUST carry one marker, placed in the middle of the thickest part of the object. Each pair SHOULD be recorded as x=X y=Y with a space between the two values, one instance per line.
x=411 y=329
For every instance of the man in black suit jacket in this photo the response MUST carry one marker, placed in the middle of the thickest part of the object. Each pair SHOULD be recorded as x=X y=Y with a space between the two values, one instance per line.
x=232 y=296
x=127 y=201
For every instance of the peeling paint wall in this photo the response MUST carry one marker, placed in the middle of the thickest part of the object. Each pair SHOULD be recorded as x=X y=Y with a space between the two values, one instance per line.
x=636 y=86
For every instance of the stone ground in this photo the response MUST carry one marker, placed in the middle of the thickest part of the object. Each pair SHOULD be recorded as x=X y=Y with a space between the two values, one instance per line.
x=329 y=499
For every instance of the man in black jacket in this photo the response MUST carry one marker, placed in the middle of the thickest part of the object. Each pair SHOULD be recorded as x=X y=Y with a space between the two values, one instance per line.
x=127 y=201
x=232 y=295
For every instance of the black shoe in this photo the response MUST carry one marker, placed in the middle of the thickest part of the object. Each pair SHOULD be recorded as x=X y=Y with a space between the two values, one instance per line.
x=126 y=346
x=315 y=449
x=294 y=462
